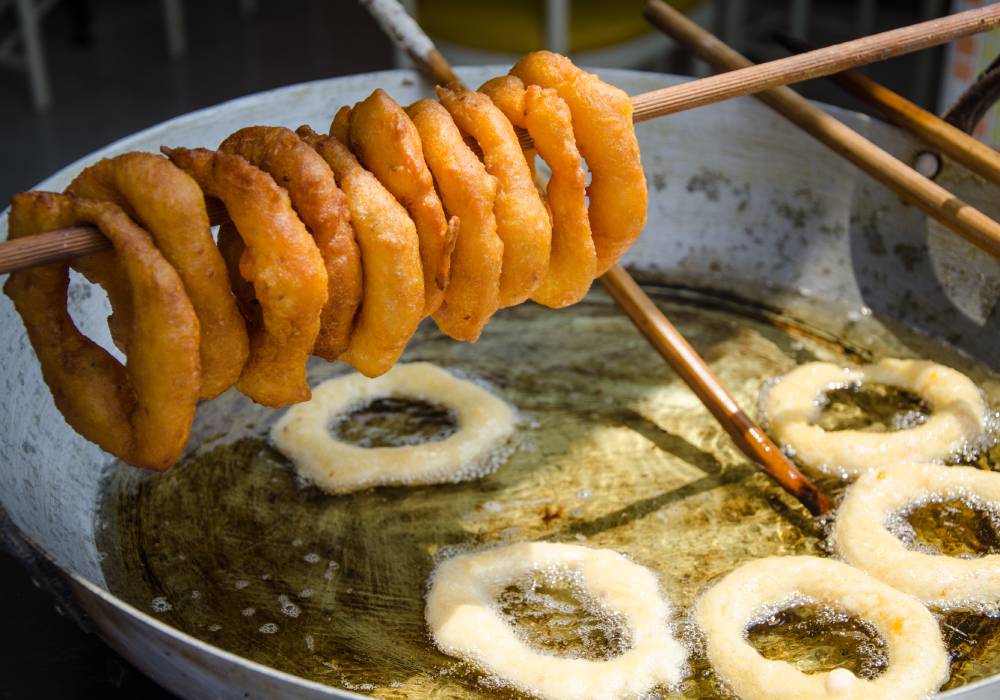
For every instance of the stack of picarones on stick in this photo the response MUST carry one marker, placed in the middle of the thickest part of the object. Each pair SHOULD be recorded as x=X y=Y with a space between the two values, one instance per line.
x=338 y=246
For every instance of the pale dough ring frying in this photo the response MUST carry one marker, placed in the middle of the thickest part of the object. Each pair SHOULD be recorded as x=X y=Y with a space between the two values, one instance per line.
x=303 y=435
x=462 y=615
x=958 y=415
x=864 y=541
x=918 y=659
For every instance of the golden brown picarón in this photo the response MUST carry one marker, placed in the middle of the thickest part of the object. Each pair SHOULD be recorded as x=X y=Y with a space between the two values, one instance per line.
x=337 y=245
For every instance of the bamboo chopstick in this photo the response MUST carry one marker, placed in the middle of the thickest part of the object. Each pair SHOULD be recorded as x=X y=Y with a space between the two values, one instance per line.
x=650 y=321
x=61 y=245
x=947 y=138
x=713 y=394
x=934 y=200
x=748 y=78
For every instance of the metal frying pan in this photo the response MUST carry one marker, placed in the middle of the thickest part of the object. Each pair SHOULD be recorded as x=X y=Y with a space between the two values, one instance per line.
x=748 y=218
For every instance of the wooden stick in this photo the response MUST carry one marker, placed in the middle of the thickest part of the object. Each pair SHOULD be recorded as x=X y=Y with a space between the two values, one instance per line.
x=56 y=246
x=407 y=35
x=690 y=367
x=950 y=140
x=934 y=200
x=671 y=345
x=748 y=79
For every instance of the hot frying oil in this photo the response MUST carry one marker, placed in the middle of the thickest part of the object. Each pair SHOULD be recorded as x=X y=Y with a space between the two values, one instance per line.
x=836 y=640
x=873 y=408
x=613 y=451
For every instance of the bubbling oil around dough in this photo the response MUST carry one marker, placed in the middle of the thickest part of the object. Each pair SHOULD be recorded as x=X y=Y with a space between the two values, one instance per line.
x=552 y=612
x=614 y=451
x=872 y=407
x=394 y=422
x=837 y=639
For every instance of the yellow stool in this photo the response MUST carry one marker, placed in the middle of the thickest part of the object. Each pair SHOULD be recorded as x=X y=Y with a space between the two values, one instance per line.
x=597 y=32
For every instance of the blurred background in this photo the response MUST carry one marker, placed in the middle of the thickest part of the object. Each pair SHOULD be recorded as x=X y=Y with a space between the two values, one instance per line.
x=78 y=74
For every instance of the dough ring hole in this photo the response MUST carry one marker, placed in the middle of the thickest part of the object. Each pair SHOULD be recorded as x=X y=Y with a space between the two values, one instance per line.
x=871 y=407
x=553 y=614
x=82 y=295
x=968 y=636
x=816 y=638
x=395 y=421
x=952 y=527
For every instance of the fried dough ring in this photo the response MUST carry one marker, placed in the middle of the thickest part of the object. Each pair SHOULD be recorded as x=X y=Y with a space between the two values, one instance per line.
x=232 y=247
x=393 y=301
x=283 y=264
x=792 y=405
x=918 y=659
x=467 y=192
x=141 y=412
x=165 y=201
x=484 y=423
x=864 y=540
x=340 y=127
x=323 y=209
x=461 y=613
x=523 y=222
x=605 y=135
x=573 y=262
x=388 y=145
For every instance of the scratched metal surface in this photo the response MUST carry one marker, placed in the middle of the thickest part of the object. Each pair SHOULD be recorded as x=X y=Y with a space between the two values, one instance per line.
x=740 y=202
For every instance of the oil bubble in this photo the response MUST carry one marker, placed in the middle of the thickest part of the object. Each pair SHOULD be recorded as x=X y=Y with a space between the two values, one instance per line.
x=160 y=604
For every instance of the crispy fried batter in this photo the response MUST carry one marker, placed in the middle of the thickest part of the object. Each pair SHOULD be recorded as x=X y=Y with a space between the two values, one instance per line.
x=544 y=114
x=232 y=247
x=141 y=412
x=323 y=209
x=388 y=145
x=340 y=127
x=164 y=200
x=522 y=220
x=283 y=264
x=354 y=280
x=393 y=300
x=602 y=123
x=469 y=193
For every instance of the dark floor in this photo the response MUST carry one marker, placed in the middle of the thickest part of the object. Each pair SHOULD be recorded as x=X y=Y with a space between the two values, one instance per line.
x=118 y=79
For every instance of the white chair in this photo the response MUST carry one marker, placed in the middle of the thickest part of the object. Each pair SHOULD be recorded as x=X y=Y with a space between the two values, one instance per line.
x=23 y=49
x=173 y=20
